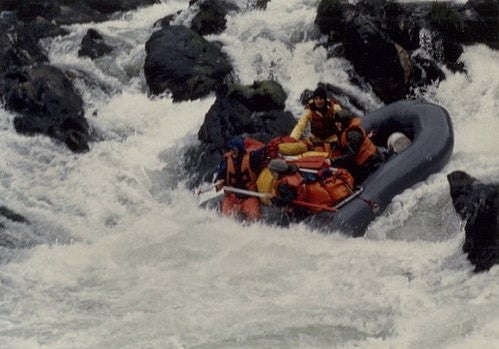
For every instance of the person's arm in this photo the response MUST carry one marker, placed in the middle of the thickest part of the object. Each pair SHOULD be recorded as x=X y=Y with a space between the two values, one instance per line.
x=335 y=106
x=257 y=159
x=301 y=125
x=354 y=142
x=221 y=175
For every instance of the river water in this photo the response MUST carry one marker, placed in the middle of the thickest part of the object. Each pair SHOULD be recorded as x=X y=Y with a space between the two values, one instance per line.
x=117 y=253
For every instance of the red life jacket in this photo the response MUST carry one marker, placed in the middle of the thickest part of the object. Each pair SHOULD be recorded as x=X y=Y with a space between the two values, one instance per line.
x=367 y=149
x=331 y=190
x=295 y=180
x=244 y=175
x=322 y=126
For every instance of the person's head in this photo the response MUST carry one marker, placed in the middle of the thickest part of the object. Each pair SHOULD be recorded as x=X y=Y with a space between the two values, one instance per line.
x=278 y=166
x=236 y=146
x=281 y=167
x=319 y=97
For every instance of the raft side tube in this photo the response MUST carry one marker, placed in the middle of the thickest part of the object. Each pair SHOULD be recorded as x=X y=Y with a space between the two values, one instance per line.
x=430 y=129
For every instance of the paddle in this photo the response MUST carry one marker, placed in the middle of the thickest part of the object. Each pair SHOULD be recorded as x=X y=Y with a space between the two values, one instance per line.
x=247 y=192
x=308 y=170
x=208 y=188
x=266 y=195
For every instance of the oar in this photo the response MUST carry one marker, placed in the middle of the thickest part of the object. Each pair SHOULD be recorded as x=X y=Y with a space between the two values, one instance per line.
x=308 y=170
x=266 y=195
x=208 y=188
x=247 y=192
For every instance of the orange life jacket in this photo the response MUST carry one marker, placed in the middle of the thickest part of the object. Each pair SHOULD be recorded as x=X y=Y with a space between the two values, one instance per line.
x=367 y=149
x=295 y=180
x=331 y=190
x=322 y=125
x=326 y=192
x=244 y=175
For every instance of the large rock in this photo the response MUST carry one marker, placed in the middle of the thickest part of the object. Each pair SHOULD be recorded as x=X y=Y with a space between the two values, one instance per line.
x=398 y=48
x=476 y=21
x=181 y=61
x=70 y=11
x=261 y=96
x=111 y=6
x=18 y=47
x=47 y=103
x=93 y=45
x=210 y=19
x=478 y=204
x=235 y=113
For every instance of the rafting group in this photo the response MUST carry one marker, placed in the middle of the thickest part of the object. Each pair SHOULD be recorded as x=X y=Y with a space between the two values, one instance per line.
x=304 y=175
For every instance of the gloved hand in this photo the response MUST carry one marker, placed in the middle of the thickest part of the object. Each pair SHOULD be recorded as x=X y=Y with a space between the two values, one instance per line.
x=341 y=161
x=285 y=195
x=286 y=192
x=279 y=201
x=324 y=172
x=219 y=185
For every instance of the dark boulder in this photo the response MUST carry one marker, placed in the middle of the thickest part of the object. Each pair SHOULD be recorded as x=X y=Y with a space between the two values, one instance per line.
x=397 y=48
x=79 y=12
x=181 y=61
x=18 y=47
x=376 y=57
x=93 y=45
x=47 y=103
x=477 y=204
x=111 y=6
x=210 y=19
x=476 y=21
x=28 y=10
x=481 y=19
x=261 y=96
x=235 y=114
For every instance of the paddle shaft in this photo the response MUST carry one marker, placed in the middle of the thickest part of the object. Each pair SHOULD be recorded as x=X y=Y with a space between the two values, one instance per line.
x=265 y=195
x=247 y=192
x=308 y=170
x=208 y=188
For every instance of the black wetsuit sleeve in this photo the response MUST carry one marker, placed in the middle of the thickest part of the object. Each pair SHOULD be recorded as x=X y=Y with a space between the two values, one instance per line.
x=354 y=142
x=222 y=171
x=257 y=158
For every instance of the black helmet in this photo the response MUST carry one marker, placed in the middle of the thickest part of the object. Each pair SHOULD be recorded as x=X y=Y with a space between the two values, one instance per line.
x=278 y=165
x=320 y=92
x=236 y=143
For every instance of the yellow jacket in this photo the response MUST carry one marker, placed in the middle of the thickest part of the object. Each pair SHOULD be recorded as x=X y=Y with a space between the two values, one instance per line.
x=306 y=119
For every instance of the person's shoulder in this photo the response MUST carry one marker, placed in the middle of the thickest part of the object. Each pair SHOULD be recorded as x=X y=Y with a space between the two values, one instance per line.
x=307 y=113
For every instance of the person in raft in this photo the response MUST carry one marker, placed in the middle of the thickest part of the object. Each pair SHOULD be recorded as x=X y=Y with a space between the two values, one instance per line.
x=320 y=114
x=326 y=189
x=359 y=155
x=240 y=169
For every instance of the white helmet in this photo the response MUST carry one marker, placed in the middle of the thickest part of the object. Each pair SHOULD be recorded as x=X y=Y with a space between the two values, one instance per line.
x=398 y=142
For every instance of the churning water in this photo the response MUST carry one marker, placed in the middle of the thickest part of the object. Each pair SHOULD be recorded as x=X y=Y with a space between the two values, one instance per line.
x=117 y=253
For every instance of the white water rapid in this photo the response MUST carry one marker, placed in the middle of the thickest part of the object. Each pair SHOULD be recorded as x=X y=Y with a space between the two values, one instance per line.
x=119 y=255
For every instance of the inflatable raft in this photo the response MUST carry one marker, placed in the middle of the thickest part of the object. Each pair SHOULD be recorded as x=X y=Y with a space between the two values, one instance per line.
x=430 y=140
x=429 y=128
